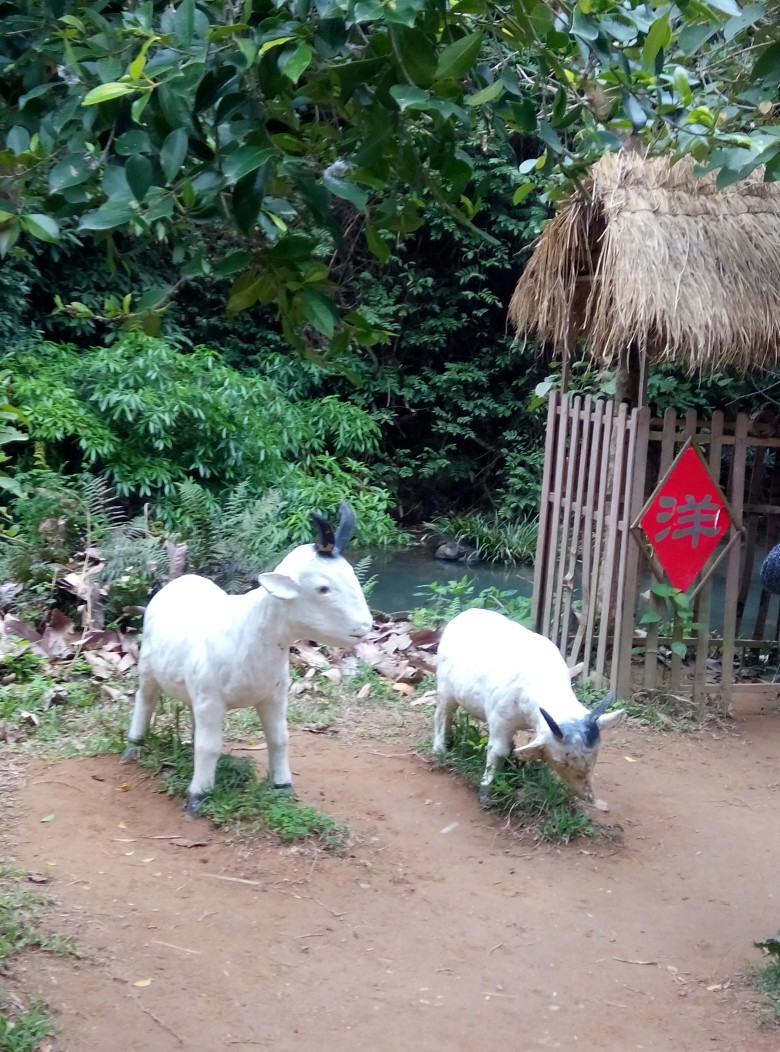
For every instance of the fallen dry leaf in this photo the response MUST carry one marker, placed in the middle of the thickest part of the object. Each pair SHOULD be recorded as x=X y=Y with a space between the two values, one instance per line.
x=184 y=842
x=37 y=878
x=715 y=986
x=142 y=982
x=629 y=759
x=404 y=688
x=364 y=691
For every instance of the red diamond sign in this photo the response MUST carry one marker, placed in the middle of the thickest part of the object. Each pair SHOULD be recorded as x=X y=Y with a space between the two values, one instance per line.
x=686 y=518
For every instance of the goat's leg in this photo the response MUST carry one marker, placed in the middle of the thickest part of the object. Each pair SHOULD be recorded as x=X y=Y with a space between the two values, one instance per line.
x=498 y=750
x=207 y=717
x=146 y=698
x=274 y=720
x=442 y=722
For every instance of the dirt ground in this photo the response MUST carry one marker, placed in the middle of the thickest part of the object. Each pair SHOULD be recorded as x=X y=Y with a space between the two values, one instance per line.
x=436 y=931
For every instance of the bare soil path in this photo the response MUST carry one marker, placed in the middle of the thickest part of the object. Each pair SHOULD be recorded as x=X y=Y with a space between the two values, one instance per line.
x=436 y=931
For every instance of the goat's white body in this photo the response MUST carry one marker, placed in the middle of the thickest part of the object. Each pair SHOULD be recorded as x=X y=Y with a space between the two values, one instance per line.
x=217 y=652
x=503 y=674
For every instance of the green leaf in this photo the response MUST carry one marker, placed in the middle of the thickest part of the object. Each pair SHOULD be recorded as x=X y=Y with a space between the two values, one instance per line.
x=276 y=42
x=244 y=160
x=456 y=59
x=682 y=85
x=232 y=263
x=297 y=63
x=634 y=112
x=650 y=617
x=680 y=649
x=356 y=195
x=414 y=55
x=9 y=235
x=523 y=190
x=409 y=97
x=110 y=215
x=173 y=153
x=728 y=7
x=138 y=172
x=71 y=172
x=584 y=25
x=658 y=37
x=246 y=292
x=184 y=23
x=767 y=66
x=105 y=92
x=41 y=226
x=134 y=141
x=551 y=137
x=18 y=139
x=489 y=94
x=136 y=67
x=319 y=311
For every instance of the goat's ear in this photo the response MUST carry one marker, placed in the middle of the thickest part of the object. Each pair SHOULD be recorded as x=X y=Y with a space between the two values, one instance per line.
x=532 y=751
x=611 y=719
x=323 y=534
x=279 y=585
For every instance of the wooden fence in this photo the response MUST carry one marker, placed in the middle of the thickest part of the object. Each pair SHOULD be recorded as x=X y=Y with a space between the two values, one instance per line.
x=592 y=580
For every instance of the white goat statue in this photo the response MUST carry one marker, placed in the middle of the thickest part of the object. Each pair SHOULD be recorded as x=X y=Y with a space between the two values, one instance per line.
x=503 y=674
x=218 y=651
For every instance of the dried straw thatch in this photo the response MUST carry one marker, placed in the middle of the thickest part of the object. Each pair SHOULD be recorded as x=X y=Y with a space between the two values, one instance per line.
x=655 y=258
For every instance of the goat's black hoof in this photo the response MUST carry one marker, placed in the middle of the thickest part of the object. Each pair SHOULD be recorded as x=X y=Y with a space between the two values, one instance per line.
x=486 y=797
x=284 y=787
x=132 y=752
x=194 y=804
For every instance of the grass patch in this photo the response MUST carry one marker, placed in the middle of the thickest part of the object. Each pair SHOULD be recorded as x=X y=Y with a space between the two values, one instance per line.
x=239 y=799
x=22 y=1030
x=23 y=1027
x=20 y=906
x=766 y=977
x=673 y=712
x=529 y=795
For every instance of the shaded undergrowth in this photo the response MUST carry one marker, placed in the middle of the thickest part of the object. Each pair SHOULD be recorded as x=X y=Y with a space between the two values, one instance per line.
x=528 y=795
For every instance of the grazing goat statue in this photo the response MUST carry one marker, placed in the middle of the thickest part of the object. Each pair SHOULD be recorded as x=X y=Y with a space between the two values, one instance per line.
x=218 y=651
x=514 y=679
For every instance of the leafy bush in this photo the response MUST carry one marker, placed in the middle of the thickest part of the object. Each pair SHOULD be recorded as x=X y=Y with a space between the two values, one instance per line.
x=494 y=537
x=149 y=418
x=442 y=602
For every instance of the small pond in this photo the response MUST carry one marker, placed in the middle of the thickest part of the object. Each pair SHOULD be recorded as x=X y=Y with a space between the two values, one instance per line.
x=400 y=573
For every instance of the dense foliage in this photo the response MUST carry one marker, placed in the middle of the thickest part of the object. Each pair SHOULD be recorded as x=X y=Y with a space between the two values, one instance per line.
x=263 y=141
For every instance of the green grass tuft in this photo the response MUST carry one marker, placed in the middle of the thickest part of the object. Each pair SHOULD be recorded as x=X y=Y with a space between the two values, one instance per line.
x=20 y=904
x=766 y=977
x=23 y=1028
x=529 y=795
x=23 y=1031
x=239 y=799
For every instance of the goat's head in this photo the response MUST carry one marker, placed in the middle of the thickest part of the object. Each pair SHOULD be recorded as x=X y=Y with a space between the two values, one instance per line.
x=329 y=605
x=572 y=746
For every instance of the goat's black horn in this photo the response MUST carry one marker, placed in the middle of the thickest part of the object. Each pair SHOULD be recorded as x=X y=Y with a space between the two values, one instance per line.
x=602 y=706
x=324 y=541
x=556 y=730
x=345 y=530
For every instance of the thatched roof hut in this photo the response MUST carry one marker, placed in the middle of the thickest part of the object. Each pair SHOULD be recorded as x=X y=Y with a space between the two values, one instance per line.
x=653 y=258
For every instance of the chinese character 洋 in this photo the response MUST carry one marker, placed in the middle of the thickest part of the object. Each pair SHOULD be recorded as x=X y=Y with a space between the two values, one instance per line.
x=692 y=518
